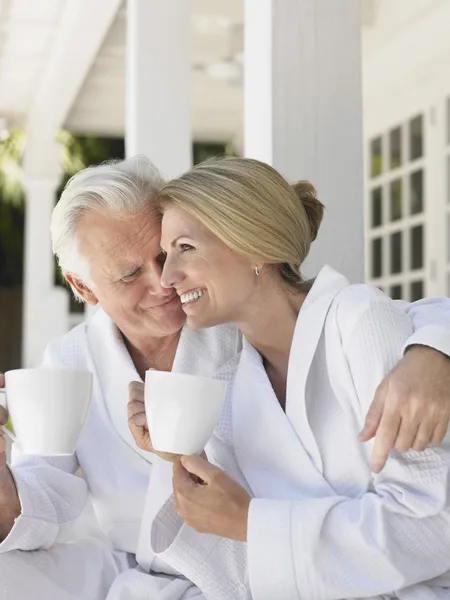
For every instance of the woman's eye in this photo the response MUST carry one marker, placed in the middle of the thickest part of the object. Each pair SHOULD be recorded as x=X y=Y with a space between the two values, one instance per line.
x=185 y=247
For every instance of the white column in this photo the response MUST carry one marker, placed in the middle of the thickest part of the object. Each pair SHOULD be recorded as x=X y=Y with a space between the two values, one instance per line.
x=158 y=83
x=303 y=112
x=46 y=307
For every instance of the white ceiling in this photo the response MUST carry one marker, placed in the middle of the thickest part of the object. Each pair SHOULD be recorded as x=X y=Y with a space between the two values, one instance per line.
x=29 y=33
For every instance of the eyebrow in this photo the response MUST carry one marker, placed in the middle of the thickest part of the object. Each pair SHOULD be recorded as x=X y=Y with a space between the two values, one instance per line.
x=120 y=273
x=173 y=242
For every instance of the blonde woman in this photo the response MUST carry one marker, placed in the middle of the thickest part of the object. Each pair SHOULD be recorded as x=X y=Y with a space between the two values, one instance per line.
x=299 y=489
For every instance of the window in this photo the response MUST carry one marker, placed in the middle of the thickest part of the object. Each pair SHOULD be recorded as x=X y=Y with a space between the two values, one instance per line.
x=395 y=148
x=396 y=292
x=416 y=290
x=416 y=138
x=377 y=258
x=396 y=205
x=396 y=252
x=396 y=199
x=416 y=192
x=377 y=207
x=376 y=157
x=416 y=241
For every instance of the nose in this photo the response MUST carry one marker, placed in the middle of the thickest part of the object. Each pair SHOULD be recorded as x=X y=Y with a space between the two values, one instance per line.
x=170 y=275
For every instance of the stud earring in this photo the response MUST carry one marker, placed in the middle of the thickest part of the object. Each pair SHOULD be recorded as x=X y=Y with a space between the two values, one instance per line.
x=257 y=270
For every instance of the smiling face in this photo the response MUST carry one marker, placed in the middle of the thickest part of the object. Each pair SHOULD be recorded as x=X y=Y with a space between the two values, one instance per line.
x=216 y=285
x=125 y=260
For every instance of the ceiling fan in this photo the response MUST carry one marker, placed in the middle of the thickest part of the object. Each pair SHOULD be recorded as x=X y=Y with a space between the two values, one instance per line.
x=230 y=66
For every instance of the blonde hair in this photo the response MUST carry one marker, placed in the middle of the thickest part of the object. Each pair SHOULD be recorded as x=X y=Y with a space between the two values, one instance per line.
x=250 y=207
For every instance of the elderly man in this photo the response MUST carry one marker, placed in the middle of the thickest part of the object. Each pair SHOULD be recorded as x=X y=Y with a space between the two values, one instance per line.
x=106 y=235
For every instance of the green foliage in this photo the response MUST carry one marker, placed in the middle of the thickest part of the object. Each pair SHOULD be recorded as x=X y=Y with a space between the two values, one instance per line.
x=12 y=144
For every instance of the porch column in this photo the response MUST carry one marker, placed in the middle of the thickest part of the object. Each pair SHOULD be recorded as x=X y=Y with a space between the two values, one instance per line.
x=158 y=83
x=46 y=307
x=303 y=112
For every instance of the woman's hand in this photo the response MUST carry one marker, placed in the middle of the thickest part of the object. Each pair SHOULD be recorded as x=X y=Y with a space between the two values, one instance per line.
x=137 y=421
x=208 y=500
x=411 y=409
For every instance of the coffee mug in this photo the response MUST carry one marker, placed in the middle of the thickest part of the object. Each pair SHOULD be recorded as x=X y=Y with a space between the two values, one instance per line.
x=47 y=408
x=182 y=410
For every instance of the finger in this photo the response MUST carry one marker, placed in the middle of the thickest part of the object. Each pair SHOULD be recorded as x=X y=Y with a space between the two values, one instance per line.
x=374 y=415
x=196 y=465
x=181 y=476
x=439 y=433
x=423 y=436
x=138 y=420
x=135 y=407
x=384 y=440
x=136 y=390
x=3 y=415
x=406 y=435
x=2 y=380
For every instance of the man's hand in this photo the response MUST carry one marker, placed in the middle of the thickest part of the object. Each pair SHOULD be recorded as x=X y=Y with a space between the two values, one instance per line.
x=208 y=500
x=10 y=507
x=137 y=421
x=411 y=409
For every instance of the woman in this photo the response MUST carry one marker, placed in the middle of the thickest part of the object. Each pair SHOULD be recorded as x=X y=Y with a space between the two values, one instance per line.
x=317 y=522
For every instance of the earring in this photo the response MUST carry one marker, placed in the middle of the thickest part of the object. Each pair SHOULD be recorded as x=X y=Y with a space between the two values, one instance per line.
x=257 y=270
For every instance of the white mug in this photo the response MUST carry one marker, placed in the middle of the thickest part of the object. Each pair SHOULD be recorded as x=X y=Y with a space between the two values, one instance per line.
x=47 y=407
x=182 y=410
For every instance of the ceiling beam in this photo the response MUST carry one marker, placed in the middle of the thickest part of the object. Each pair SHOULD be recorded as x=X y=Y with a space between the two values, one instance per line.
x=81 y=31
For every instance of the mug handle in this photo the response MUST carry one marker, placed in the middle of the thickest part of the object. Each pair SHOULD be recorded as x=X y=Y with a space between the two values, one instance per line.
x=11 y=436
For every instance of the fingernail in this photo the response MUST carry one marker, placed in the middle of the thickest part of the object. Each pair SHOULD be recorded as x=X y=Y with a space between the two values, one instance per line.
x=376 y=468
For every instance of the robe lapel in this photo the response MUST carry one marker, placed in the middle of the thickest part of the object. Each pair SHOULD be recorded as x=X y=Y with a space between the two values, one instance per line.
x=277 y=452
x=115 y=371
x=308 y=331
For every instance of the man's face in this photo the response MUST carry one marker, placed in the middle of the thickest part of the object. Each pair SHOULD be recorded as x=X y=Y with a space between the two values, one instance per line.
x=124 y=255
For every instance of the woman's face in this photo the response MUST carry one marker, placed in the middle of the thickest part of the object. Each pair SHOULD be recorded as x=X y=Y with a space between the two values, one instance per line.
x=215 y=284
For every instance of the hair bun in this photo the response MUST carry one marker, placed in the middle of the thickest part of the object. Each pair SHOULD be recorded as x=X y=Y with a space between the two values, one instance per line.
x=314 y=208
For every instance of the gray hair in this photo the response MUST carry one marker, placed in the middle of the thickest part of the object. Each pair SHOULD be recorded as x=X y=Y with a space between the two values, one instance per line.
x=119 y=186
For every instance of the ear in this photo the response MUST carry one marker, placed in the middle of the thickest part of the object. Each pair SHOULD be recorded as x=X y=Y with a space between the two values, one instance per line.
x=76 y=284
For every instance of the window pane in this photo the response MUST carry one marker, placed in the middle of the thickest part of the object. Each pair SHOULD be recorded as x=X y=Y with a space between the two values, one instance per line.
x=377 y=207
x=396 y=199
x=396 y=292
x=376 y=158
x=377 y=258
x=416 y=192
x=417 y=247
x=416 y=138
x=395 y=148
x=396 y=252
x=416 y=290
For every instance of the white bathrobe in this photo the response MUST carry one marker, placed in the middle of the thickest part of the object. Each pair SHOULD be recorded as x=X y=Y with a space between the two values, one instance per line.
x=117 y=475
x=321 y=525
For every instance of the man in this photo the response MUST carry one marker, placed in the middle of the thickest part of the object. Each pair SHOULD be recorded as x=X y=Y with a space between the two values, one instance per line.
x=106 y=236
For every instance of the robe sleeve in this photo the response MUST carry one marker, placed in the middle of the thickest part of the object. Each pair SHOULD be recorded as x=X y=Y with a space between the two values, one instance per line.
x=50 y=494
x=431 y=320
x=395 y=535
